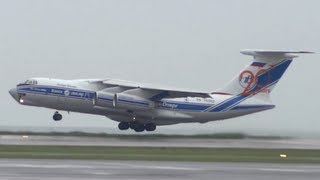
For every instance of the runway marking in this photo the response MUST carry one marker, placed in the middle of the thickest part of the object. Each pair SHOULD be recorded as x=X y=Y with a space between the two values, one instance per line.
x=42 y=166
x=175 y=168
x=163 y=167
x=46 y=166
x=284 y=170
x=100 y=173
x=129 y=165
x=295 y=143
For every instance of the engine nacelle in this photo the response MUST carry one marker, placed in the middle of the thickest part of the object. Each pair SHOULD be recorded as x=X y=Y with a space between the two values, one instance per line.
x=131 y=102
x=104 y=99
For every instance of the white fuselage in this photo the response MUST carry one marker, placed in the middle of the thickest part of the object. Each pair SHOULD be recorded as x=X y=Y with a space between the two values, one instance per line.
x=142 y=107
x=84 y=97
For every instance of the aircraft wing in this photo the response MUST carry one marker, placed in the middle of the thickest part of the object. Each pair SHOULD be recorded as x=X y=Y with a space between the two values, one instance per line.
x=158 y=92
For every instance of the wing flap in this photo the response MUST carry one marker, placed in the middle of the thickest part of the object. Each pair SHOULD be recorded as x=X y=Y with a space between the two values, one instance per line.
x=158 y=92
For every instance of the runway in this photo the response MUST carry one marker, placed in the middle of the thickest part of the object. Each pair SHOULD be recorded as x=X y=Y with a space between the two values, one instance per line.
x=160 y=142
x=22 y=169
x=27 y=169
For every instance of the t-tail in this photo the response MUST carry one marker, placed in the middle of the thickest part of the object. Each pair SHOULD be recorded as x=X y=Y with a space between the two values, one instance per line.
x=262 y=75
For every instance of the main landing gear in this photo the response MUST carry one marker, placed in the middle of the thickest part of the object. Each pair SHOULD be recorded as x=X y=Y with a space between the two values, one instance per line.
x=136 y=126
x=57 y=116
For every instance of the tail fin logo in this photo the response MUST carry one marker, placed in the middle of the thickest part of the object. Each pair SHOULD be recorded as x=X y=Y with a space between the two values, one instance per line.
x=247 y=80
x=250 y=81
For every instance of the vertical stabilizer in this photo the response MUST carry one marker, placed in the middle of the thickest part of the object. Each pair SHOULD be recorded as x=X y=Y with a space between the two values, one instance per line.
x=262 y=75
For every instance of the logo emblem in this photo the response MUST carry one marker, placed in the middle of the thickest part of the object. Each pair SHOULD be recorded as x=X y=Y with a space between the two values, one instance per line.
x=66 y=92
x=255 y=83
x=247 y=80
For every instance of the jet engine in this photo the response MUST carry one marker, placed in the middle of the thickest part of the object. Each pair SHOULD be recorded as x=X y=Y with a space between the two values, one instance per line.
x=132 y=102
x=104 y=99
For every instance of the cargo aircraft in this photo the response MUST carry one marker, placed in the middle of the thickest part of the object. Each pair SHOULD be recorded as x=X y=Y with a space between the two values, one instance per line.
x=143 y=107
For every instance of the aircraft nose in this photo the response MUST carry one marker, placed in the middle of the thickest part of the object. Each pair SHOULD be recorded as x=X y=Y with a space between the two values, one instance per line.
x=13 y=93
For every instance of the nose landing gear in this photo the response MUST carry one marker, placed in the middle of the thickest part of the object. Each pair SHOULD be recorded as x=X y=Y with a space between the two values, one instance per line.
x=57 y=116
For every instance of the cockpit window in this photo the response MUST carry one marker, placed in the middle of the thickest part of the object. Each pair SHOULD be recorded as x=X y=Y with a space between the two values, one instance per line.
x=31 y=82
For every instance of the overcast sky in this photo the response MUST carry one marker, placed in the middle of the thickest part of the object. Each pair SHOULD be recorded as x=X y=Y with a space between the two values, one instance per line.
x=183 y=43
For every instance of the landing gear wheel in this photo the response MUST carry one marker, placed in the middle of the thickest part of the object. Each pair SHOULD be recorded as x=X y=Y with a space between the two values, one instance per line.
x=57 y=116
x=123 y=126
x=150 y=127
x=133 y=125
x=139 y=128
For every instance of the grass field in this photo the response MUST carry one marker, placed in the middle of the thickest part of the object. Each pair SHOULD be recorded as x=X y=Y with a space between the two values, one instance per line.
x=161 y=154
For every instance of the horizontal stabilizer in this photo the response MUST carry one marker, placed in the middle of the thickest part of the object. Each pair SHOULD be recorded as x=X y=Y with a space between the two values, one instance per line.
x=273 y=53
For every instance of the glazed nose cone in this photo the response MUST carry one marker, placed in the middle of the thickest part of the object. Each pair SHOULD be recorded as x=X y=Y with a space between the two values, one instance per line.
x=14 y=94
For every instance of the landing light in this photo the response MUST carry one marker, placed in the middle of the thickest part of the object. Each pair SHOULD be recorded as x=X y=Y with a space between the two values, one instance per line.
x=21 y=100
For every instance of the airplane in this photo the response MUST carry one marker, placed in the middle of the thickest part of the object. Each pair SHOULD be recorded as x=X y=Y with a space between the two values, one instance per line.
x=143 y=107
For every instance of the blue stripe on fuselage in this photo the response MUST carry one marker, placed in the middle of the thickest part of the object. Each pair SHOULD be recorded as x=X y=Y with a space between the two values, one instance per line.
x=140 y=103
x=170 y=105
x=105 y=99
x=56 y=91
x=249 y=107
x=182 y=106
x=232 y=101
